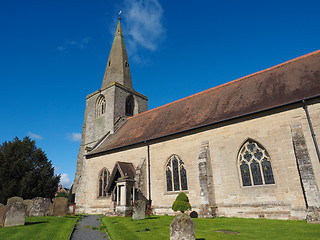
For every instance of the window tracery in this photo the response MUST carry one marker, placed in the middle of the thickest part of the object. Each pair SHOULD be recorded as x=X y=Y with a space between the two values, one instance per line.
x=255 y=165
x=104 y=176
x=176 y=174
x=100 y=106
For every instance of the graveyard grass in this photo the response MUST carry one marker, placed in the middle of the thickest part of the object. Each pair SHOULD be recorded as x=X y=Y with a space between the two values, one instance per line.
x=41 y=228
x=123 y=228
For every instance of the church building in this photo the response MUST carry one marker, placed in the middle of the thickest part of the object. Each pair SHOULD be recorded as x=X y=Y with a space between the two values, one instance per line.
x=247 y=148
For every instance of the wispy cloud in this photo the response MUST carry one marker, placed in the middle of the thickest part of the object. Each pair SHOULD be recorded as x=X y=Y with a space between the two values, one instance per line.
x=35 y=136
x=71 y=43
x=74 y=137
x=65 y=180
x=144 y=24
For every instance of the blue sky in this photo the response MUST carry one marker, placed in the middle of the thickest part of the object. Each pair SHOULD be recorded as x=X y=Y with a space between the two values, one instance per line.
x=53 y=54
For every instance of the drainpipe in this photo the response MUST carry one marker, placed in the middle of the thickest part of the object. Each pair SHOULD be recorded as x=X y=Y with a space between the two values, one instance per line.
x=149 y=178
x=305 y=107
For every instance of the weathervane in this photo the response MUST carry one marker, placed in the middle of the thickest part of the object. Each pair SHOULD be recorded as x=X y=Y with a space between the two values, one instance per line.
x=120 y=14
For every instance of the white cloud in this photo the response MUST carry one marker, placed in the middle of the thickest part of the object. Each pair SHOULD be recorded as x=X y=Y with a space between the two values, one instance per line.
x=144 y=26
x=75 y=137
x=65 y=180
x=71 y=43
x=35 y=136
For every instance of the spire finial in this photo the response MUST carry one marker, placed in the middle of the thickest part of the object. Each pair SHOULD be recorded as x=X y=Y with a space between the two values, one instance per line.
x=120 y=15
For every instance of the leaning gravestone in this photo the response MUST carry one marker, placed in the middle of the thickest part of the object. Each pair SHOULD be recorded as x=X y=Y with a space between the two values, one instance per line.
x=3 y=211
x=182 y=227
x=14 y=200
x=16 y=214
x=39 y=207
x=139 y=210
x=60 y=206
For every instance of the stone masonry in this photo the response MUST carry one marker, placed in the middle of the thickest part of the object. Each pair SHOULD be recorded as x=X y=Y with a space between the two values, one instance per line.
x=206 y=183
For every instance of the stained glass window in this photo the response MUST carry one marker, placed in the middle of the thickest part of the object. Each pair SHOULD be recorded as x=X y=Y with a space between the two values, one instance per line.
x=103 y=182
x=176 y=174
x=255 y=164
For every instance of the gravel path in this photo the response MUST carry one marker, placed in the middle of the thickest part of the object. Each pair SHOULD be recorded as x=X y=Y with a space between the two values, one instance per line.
x=87 y=229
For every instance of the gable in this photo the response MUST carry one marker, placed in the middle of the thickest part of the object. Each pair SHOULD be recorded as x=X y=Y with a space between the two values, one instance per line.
x=283 y=84
x=120 y=170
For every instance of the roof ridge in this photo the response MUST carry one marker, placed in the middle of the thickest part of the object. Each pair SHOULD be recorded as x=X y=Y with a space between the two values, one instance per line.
x=225 y=84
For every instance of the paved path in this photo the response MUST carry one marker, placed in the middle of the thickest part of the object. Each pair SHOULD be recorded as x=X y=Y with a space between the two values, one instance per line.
x=84 y=230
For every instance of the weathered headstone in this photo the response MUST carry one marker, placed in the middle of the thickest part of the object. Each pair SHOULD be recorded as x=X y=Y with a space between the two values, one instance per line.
x=3 y=211
x=16 y=214
x=39 y=207
x=27 y=202
x=182 y=227
x=139 y=210
x=14 y=200
x=60 y=206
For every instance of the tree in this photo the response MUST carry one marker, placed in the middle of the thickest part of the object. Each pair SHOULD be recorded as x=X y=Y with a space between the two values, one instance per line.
x=25 y=171
x=181 y=203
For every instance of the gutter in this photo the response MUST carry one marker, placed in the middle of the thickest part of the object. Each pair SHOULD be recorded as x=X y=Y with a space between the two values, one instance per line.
x=202 y=126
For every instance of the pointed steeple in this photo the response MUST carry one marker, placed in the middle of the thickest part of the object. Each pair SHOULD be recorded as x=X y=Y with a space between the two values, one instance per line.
x=118 y=64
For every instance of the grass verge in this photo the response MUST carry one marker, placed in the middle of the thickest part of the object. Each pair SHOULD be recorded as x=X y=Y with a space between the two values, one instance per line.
x=41 y=228
x=120 y=228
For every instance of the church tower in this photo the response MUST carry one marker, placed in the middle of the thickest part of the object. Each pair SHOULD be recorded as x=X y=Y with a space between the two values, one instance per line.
x=107 y=109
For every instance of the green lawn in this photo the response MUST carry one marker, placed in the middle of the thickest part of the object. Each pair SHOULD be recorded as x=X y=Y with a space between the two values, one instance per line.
x=41 y=228
x=124 y=228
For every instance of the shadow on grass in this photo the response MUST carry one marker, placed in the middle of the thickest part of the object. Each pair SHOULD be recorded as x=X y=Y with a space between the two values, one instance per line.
x=33 y=223
x=153 y=217
x=200 y=239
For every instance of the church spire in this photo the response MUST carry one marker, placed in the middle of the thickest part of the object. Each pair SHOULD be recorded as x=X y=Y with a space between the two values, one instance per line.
x=118 y=64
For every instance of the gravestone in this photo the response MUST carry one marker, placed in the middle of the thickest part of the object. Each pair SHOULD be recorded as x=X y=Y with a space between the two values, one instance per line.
x=139 y=210
x=27 y=202
x=60 y=206
x=182 y=228
x=39 y=207
x=16 y=214
x=3 y=211
x=14 y=200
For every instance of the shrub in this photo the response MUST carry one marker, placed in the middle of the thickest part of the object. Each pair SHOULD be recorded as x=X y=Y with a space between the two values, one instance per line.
x=181 y=203
x=62 y=194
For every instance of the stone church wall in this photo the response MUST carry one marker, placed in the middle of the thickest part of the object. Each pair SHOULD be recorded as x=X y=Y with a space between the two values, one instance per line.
x=272 y=129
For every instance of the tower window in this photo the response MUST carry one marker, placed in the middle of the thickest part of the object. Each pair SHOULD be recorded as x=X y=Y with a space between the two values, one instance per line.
x=254 y=164
x=129 y=105
x=100 y=106
x=176 y=174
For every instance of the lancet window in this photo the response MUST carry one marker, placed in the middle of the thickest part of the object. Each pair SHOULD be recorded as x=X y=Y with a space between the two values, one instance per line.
x=129 y=105
x=104 y=176
x=100 y=106
x=255 y=165
x=176 y=174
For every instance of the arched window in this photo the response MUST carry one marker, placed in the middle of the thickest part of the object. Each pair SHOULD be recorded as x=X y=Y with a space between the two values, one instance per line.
x=129 y=105
x=100 y=106
x=104 y=176
x=254 y=163
x=176 y=174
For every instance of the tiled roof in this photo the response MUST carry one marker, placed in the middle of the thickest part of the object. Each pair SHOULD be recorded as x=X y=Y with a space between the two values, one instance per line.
x=280 y=85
